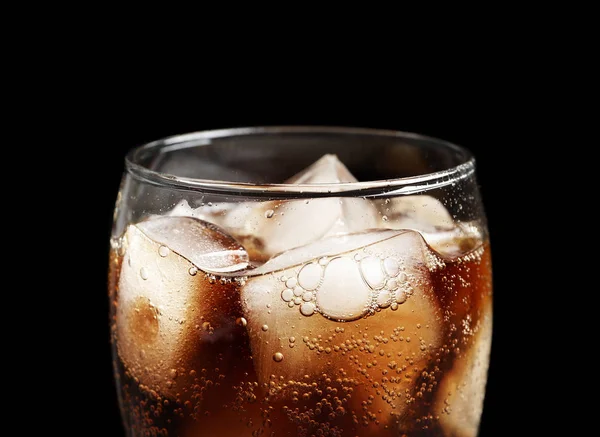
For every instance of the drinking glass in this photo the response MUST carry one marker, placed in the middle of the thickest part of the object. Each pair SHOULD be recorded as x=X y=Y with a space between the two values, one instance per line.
x=300 y=281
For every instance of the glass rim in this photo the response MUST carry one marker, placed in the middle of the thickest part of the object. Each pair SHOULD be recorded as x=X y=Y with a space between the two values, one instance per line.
x=402 y=185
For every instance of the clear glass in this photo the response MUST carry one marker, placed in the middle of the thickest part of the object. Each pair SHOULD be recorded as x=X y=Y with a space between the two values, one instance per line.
x=300 y=281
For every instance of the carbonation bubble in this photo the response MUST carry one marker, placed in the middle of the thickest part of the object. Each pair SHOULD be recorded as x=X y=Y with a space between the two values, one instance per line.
x=269 y=213
x=240 y=321
x=384 y=299
x=278 y=357
x=401 y=296
x=287 y=295
x=144 y=273
x=343 y=295
x=307 y=309
x=193 y=271
x=265 y=327
x=308 y=296
x=391 y=267
x=392 y=284
x=291 y=283
x=310 y=276
x=163 y=251
x=370 y=268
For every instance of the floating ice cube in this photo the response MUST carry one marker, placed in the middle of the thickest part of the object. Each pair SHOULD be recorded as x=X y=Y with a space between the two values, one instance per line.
x=428 y=215
x=420 y=212
x=213 y=213
x=275 y=226
x=234 y=217
x=326 y=170
x=202 y=243
x=380 y=281
x=166 y=323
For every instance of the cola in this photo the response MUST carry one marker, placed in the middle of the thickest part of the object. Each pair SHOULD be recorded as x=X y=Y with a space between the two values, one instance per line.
x=240 y=320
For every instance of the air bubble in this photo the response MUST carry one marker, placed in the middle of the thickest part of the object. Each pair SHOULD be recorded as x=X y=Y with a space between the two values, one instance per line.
x=307 y=309
x=287 y=295
x=308 y=296
x=240 y=321
x=384 y=298
x=163 y=251
x=265 y=328
x=278 y=357
x=391 y=267
x=370 y=268
x=392 y=285
x=401 y=296
x=269 y=213
x=193 y=271
x=309 y=277
x=144 y=273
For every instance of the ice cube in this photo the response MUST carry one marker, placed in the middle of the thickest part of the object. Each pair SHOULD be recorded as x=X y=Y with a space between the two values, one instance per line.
x=459 y=400
x=210 y=212
x=204 y=244
x=175 y=323
x=231 y=216
x=352 y=314
x=276 y=226
x=420 y=212
x=326 y=170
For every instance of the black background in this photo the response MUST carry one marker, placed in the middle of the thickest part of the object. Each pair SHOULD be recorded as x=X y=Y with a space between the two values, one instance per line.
x=481 y=120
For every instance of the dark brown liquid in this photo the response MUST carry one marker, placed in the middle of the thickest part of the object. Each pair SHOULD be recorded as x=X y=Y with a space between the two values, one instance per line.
x=392 y=373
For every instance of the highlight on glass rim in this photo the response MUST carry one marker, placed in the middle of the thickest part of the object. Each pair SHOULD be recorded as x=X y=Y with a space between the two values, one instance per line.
x=300 y=281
